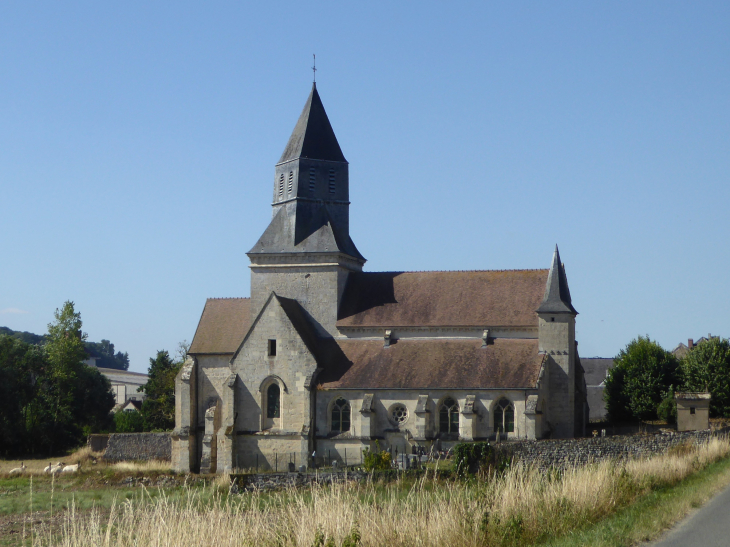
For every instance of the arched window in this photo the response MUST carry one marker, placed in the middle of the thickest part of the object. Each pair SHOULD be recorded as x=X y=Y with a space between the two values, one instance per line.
x=281 y=186
x=291 y=181
x=449 y=416
x=341 y=416
x=504 y=417
x=273 y=401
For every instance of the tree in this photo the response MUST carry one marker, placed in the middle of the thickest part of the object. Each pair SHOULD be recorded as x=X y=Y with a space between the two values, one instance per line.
x=49 y=398
x=106 y=358
x=65 y=350
x=21 y=367
x=707 y=368
x=637 y=383
x=93 y=400
x=158 y=408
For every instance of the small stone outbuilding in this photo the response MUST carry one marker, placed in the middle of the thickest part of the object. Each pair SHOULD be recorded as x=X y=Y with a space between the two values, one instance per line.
x=693 y=411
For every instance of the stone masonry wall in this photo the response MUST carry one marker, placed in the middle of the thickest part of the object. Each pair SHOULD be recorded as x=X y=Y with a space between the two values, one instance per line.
x=274 y=481
x=561 y=453
x=138 y=446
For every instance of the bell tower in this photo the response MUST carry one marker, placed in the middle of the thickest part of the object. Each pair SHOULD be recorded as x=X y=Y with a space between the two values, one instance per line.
x=306 y=252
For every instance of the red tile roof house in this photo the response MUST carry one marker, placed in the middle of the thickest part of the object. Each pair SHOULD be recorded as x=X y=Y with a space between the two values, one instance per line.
x=328 y=359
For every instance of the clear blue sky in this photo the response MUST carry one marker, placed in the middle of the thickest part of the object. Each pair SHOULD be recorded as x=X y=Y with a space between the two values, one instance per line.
x=138 y=143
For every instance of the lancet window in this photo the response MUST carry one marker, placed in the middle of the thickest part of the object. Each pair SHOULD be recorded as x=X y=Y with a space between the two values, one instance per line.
x=449 y=416
x=273 y=401
x=504 y=416
x=341 y=416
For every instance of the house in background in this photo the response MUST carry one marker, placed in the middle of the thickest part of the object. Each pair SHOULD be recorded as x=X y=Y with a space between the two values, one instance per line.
x=125 y=385
x=596 y=371
x=681 y=350
x=129 y=406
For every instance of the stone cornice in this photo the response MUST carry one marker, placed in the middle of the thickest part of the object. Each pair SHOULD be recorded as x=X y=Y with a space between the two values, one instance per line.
x=297 y=260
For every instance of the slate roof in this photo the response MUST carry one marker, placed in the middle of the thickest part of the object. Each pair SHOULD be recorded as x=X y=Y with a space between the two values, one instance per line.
x=595 y=369
x=433 y=364
x=475 y=298
x=557 y=294
x=309 y=230
x=222 y=326
x=313 y=136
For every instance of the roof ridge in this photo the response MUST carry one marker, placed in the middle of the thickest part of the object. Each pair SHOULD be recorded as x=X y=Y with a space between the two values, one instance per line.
x=465 y=271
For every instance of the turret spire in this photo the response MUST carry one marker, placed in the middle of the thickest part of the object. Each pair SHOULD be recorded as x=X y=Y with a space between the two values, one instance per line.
x=557 y=294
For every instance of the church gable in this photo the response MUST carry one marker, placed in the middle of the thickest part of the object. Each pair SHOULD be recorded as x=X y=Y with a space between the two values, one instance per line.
x=280 y=333
x=276 y=350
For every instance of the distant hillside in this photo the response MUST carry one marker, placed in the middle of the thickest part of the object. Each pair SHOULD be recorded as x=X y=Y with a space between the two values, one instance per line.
x=103 y=351
x=27 y=337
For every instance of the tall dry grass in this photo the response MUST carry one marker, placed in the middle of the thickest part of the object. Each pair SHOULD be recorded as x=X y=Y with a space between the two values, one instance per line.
x=519 y=508
x=142 y=466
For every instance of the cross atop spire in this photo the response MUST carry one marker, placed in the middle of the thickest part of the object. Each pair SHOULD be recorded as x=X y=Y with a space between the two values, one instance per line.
x=314 y=69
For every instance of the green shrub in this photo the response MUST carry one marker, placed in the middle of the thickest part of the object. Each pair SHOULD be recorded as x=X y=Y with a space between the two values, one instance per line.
x=377 y=459
x=667 y=409
x=470 y=458
x=128 y=422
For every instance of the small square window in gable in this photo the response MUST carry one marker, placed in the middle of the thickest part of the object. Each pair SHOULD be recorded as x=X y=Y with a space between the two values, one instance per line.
x=692 y=410
x=272 y=348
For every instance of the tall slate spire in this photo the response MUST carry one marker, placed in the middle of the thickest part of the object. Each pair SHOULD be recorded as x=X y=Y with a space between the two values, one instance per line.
x=313 y=136
x=557 y=294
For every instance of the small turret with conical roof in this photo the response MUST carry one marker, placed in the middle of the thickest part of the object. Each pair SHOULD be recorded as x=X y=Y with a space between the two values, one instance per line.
x=557 y=294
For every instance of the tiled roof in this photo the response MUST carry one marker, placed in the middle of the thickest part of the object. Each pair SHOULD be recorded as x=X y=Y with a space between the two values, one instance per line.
x=471 y=298
x=433 y=364
x=224 y=323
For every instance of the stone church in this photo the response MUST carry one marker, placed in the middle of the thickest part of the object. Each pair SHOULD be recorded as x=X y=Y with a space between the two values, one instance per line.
x=327 y=358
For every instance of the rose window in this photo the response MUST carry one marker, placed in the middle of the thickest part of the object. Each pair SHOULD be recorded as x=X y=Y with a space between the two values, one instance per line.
x=399 y=414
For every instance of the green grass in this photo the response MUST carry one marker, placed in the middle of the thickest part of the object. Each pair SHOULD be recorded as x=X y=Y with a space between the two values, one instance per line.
x=652 y=514
x=15 y=495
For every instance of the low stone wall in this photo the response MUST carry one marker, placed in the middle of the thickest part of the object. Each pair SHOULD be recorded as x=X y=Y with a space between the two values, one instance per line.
x=138 y=446
x=97 y=442
x=271 y=481
x=274 y=481
x=568 y=452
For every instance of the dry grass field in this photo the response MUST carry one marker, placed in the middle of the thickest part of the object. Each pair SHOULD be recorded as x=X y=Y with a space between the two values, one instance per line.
x=523 y=506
